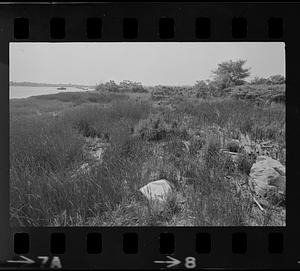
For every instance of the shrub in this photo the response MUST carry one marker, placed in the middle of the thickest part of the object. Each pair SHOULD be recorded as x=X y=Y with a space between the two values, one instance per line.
x=277 y=79
x=124 y=86
x=108 y=86
x=86 y=129
x=259 y=94
x=152 y=128
x=259 y=80
x=129 y=86
x=201 y=89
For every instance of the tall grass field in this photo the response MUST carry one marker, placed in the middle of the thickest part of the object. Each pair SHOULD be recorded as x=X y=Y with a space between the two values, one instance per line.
x=56 y=181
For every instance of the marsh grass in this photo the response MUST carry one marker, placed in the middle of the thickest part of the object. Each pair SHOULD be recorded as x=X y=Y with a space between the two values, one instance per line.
x=44 y=151
x=84 y=97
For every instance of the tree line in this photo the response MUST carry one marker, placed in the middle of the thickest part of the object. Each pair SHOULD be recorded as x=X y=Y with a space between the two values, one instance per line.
x=229 y=74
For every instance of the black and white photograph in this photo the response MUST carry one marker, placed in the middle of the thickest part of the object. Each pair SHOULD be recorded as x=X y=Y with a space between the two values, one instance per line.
x=147 y=134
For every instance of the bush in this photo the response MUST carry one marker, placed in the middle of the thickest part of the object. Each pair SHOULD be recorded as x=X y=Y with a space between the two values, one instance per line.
x=86 y=129
x=128 y=86
x=259 y=81
x=124 y=86
x=152 y=128
x=259 y=94
x=201 y=89
x=277 y=79
x=110 y=86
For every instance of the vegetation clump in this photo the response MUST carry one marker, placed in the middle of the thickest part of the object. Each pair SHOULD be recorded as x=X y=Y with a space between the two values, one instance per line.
x=152 y=128
x=122 y=87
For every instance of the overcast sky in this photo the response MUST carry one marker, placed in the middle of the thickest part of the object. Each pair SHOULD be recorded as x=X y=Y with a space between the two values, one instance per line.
x=178 y=63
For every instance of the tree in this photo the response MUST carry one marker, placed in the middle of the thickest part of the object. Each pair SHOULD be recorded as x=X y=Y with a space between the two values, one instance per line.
x=231 y=73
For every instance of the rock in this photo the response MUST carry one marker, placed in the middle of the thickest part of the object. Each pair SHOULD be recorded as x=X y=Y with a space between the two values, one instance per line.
x=157 y=192
x=267 y=173
x=98 y=154
x=187 y=144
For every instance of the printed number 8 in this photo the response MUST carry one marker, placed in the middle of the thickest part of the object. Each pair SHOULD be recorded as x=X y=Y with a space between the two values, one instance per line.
x=190 y=262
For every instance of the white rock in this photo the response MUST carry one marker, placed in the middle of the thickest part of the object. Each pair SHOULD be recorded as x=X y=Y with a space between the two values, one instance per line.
x=267 y=173
x=157 y=191
x=187 y=145
x=98 y=154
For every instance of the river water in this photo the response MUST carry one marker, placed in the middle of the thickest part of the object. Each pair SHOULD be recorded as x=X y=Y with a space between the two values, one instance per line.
x=24 y=92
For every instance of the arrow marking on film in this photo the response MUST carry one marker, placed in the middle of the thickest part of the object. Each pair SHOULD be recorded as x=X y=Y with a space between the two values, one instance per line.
x=171 y=263
x=25 y=260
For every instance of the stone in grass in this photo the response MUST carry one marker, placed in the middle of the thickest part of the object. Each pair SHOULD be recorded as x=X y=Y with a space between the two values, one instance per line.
x=158 y=193
x=267 y=173
x=98 y=154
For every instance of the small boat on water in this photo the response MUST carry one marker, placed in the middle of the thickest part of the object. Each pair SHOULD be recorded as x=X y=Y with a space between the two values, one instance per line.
x=61 y=88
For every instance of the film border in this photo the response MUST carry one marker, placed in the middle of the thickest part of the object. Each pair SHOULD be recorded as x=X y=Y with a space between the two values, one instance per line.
x=148 y=15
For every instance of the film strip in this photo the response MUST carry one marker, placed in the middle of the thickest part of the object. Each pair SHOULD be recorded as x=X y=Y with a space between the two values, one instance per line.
x=157 y=247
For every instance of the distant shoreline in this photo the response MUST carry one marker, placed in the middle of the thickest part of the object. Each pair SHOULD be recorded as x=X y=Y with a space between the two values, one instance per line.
x=32 y=84
x=22 y=92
